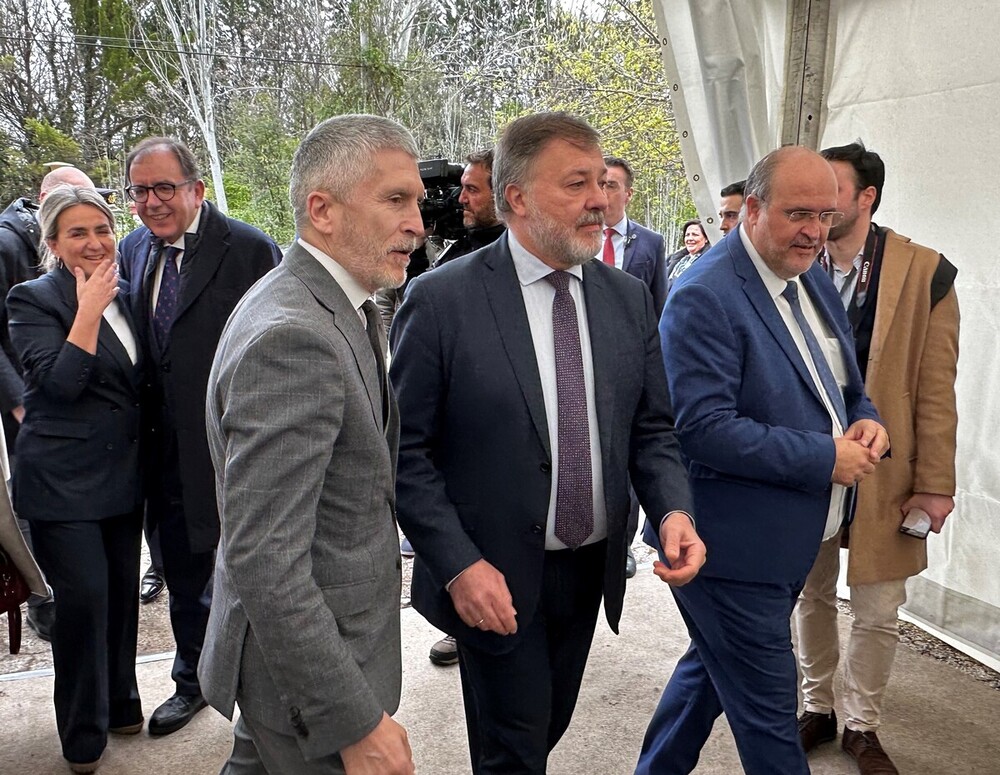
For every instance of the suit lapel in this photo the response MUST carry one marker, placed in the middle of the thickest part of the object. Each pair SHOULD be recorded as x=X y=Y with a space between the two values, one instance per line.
x=602 y=327
x=203 y=252
x=762 y=302
x=628 y=251
x=896 y=261
x=503 y=292
x=329 y=293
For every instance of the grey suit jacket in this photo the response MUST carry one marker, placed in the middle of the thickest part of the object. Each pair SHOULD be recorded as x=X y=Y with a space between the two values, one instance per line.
x=304 y=629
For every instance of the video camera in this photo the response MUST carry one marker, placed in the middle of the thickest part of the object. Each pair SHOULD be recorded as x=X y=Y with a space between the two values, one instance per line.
x=440 y=208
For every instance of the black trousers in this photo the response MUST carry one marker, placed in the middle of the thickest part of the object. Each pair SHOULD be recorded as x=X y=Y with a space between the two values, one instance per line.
x=93 y=568
x=519 y=704
x=189 y=581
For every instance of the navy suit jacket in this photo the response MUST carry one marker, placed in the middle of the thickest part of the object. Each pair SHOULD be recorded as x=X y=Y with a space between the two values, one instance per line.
x=751 y=421
x=645 y=257
x=475 y=464
x=220 y=264
x=78 y=450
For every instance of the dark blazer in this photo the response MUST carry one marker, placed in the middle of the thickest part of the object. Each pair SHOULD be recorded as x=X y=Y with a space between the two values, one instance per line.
x=750 y=419
x=220 y=263
x=78 y=450
x=645 y=258
x=475 y=461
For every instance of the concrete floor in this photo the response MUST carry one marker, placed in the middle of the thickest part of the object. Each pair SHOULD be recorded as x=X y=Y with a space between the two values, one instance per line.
x=938 y=721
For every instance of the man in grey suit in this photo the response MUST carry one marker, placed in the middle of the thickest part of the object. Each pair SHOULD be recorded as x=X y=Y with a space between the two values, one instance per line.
x=304 y=629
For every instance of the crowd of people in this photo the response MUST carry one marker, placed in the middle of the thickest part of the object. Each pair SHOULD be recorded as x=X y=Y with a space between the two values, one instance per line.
x=551 y=374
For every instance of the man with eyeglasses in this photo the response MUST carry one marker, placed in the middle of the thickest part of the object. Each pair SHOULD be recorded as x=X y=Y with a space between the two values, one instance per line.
x=773 y=419
x=900 y=299
x=188 y=267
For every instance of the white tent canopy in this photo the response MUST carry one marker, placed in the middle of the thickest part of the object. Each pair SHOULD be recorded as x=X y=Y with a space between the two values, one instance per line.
x=919 y=82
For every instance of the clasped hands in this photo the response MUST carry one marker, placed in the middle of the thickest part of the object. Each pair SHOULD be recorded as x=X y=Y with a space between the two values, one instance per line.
x=858 y=451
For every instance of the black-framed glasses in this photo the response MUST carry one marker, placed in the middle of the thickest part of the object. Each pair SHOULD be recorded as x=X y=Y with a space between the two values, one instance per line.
x=164 y=191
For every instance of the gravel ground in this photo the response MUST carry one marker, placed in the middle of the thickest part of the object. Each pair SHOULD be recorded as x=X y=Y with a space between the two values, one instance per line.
x=155 y=636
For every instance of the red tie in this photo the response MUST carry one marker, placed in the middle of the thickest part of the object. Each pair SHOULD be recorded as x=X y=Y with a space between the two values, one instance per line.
x=609 y=247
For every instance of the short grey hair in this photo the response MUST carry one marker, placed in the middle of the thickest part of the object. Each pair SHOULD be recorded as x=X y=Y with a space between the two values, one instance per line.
x=524 y=138
x=338 y=154
x=58 y=200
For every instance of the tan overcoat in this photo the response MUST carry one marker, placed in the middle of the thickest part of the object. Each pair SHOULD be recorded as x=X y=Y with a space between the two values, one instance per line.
x=911 y=380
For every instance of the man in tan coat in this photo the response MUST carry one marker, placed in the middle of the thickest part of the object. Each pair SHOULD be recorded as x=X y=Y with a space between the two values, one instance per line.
x=902 y=306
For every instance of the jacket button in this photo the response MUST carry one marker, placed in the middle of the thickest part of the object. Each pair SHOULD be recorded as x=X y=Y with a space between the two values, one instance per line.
x=114 y=408
x=110 y=446
x=546 y=468
x=537 y=529
x=165 y=368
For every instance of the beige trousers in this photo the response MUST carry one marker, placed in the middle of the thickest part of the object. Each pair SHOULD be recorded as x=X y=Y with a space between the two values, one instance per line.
x=871 y=644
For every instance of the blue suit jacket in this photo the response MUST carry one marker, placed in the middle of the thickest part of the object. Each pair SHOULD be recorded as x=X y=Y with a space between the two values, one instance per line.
x=750 y=419
x=645 y=258
x=475 y=464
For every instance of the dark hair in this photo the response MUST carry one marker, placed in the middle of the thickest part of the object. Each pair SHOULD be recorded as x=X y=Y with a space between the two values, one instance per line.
x=734 y=188
x=524 y=138
x=185 y=159
x=484 y=157
x=618 y=161
x=869 y=170
x=696 y=222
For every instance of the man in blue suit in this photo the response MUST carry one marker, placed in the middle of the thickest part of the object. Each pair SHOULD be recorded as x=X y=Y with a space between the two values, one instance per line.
x=633 y=248
x=773 y=419
x=531 y=390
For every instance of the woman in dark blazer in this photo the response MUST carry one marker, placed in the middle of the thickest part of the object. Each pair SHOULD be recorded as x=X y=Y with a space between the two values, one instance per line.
x=77 y=474
x=695 y=244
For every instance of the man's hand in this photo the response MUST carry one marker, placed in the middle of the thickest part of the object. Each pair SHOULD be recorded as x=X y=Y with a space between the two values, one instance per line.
x=683 y=549
x=854 y=462
x=938 y=507
x=18 y=413
x=870 y=434
x=383 y=751
x=482 y=600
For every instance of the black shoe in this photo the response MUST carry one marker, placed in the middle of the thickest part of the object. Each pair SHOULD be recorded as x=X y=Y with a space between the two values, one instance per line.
x=816 y=728
x=629 y=564
x=41 y=618
x=175 y=713
x=151 y=586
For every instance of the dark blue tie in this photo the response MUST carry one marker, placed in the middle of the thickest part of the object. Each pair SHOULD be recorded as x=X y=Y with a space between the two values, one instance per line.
x=575 y=489
x=166 y=301
x=791 y=293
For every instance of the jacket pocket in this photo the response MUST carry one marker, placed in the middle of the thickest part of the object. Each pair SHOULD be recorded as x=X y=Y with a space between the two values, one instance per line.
x=69 y=429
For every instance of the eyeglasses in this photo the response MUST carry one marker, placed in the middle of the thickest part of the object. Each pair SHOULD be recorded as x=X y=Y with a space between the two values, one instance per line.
x=828 y=217
x=164 y=191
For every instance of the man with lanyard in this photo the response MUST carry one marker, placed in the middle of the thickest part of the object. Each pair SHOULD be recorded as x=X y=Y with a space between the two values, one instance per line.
x=901 y=303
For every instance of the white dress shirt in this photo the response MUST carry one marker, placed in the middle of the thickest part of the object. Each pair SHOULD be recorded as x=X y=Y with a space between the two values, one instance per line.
x=179 y=244
x=830 y=346
x=538 y=294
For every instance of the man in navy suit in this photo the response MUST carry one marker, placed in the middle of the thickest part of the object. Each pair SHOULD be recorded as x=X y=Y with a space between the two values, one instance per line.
x=642 y=253
x=188 y=267
x=774 y=421
x=531 y=390
x=637 y=250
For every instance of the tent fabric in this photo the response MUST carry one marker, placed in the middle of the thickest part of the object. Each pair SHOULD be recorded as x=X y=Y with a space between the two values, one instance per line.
x=918 y=82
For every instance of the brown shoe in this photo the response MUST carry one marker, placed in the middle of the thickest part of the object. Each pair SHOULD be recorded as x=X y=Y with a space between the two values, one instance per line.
x=867 y=751
x=816 y=728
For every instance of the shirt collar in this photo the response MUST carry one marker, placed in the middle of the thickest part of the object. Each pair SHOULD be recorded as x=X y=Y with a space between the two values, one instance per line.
x=355 y=293
x=529 y=267
x=622 y=226
x=191 y=229
x=774 y=284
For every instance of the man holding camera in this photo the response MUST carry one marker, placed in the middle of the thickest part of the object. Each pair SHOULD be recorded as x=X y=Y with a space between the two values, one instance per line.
x=901 y=302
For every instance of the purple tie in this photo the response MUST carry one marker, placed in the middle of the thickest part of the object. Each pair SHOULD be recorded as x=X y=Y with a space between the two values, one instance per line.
x=575 y=490
x=166 y=301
